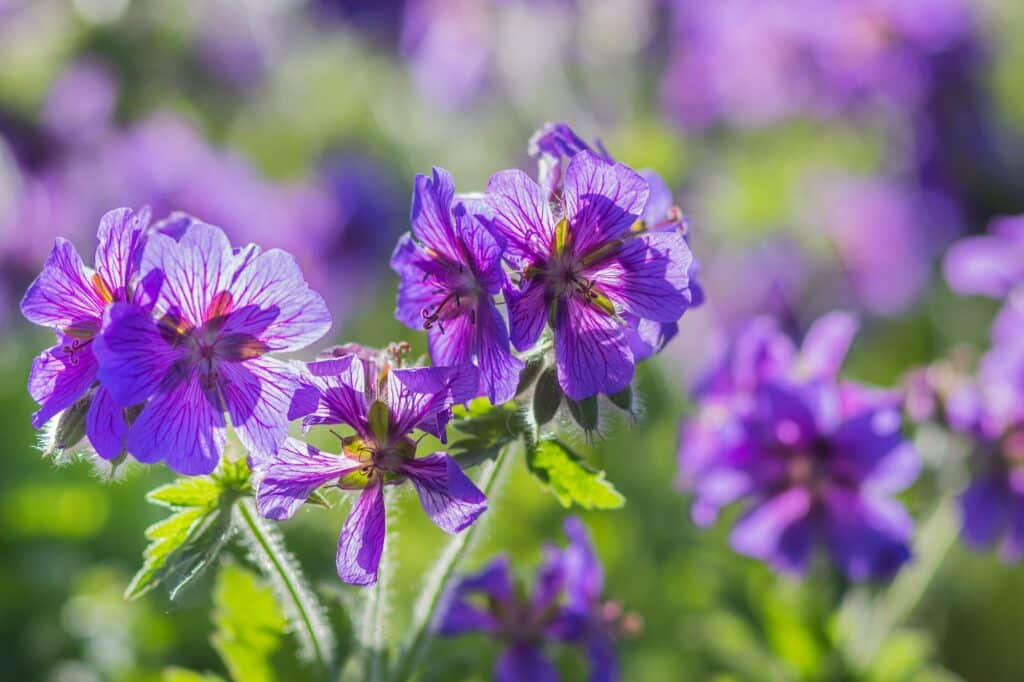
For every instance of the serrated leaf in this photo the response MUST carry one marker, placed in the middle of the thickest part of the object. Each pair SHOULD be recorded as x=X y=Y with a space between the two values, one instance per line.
x=196 y=491
x=248 y=622
x=584 y=412
x=570 y=479
x=487 y=430
x=547 y=397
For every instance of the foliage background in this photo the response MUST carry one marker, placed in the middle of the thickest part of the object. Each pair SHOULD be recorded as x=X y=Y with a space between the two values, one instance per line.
x=333 y=88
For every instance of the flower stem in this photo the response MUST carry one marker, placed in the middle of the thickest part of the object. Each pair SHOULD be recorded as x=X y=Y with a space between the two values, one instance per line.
x=297 y=600
x=439 y=579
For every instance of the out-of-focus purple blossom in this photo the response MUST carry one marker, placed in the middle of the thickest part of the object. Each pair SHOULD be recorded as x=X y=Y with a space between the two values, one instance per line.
x=581 y=267
x=71 y=299
x=203 y=351
x=566 y=605
x=991 y=411
x=819 y=459
x=753 y=63
x=885 y=237
x=80 y=105
x=384 y=405
x=990 y=265
x=451 y=271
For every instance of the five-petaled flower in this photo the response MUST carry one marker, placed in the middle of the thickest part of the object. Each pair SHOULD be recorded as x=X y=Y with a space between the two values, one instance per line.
x=582 y=269
x=451 y=272
x=70 y=298
x=202 y=350
x=383 y=405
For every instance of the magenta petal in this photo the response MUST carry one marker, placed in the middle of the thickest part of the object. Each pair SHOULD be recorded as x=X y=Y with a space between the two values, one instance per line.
x=484 y=253
x=453 y=342
x=59 y=378
x=194 y=270
x=431 y=217
x=527 y=312
x=415 y=291
x=63 y=296
x=649 y=276
x=258 y=394
x=118 y=254
x=602 y=200
x=422 y=398
x=449 y=497
x=362 y=538
x=777 y=531
x=182 y=426
x=521 y=213
x=826 y=344
x=288 y=478
x=105 y=425
x=340 y=386
x=499 y=369
x=988 y=265
x=272 y=302
x=591 y=350
x=134 y=357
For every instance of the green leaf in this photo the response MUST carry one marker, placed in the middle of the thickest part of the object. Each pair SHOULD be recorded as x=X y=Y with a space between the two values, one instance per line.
x=570 y=479
x=547 y=397
x=584 y=412
x=249 y=625
x=486 y=429
x=184 y=675
x=185 y=543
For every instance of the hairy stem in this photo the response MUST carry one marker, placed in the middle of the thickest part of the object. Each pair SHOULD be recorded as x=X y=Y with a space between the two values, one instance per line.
x=440 y=577
x=305 y=613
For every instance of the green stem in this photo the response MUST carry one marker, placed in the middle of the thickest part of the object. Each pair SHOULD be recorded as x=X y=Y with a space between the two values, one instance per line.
x=297 y=600
x=440 y=577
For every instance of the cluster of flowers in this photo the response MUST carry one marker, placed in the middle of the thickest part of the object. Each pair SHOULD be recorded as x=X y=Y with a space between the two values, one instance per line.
x=565 y=605
x=172 y=336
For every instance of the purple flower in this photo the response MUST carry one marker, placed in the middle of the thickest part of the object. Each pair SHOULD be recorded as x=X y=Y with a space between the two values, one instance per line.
x=581 y=269
x=818 y=459
x=383 y=405
x=991 y=412
x=70 y=299
x=451 y=271
x=565 y=606
x=202 y=352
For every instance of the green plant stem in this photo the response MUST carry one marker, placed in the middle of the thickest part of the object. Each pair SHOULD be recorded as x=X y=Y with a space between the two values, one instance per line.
x=285 y=575
x=444 y=570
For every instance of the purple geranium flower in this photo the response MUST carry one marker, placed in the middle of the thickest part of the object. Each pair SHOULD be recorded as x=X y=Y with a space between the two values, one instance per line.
x=383 y=405
x=70 y=298
x=202 y=352
x=582 y=269
x=565 y=606
x=820 y=459
x=991 y=411
x=451 y=271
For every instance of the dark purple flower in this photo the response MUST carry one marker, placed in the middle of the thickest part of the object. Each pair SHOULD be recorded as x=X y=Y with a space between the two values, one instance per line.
x=203 y=350
x=991 y=412
x=565 y=606
x=451 y=271
x=581 y=269
x=819 y=459
x=70 y=299
x=383 y=405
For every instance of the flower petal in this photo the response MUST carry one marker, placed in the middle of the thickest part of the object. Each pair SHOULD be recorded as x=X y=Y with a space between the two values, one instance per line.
x=105 y=425
x=584 y=575
x=527 y=312
x=63 y=295
x=257 y=394
x=987 y=508
x=604 y=659
x=452 y=342
x=777 y=530
x=431 y=213
x=494 y=581
x=340 y=386
x=415 y=291
x=499 y=369
x=120 y=248
x=288 y=478
x=648 y=276
x=870 y=448
x=182 y=425
x=988 y=265
x=362 y=538
x=422 y=398
x=59 y=378
x=591 y=351
x=826 y=344
x=449 y=497
x=869 y=537
x=602 y=200
x=524 y=661
x=522 y=215
x=134 y=357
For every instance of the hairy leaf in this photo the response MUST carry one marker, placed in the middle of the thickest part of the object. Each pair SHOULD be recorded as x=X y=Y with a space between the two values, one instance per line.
x=487 y=429
x=570 y=479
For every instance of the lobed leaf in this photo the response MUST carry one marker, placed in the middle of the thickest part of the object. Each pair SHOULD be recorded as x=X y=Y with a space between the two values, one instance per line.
x=570 y=479
x=487 y=429
x=249 y=625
